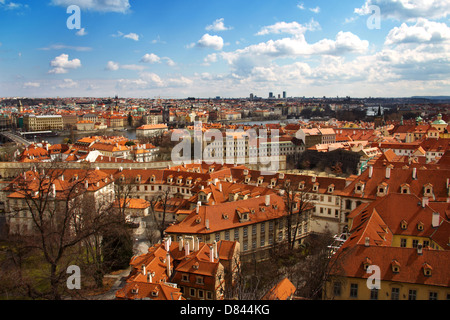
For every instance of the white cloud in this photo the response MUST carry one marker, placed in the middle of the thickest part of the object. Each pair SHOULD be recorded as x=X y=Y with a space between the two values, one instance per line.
x=293 y=28
x=151 y=58
x=209 y=41
x=67 y=84
x=315 y=10
x=169 y=62
x=66 y=47
x=407 y=9
x=218 y=25
x=82 y=32
x=112 y=66
x=31 y=85
x=61 y=64
x=119 y=6
x=301 y=6
x=424 y=31
x=132 y=36
x=211 y=58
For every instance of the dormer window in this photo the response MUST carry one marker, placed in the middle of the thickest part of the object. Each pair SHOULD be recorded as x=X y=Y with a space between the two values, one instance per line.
x=152 y=179
x=247 y=179
x=366 y=263
x=428 y=190
x=359 y=188
x=301 y=185
x=138 y=179
x=404 y=225
x=155 y=293
x=169 y=179
x=180 y=180
x=273 y=182
x=382 y=190
x=420 y=226
x=331 y=188
x=405 y=188
x=260 y=180
x=395 y=266
x=316 y=187
x=427 y=270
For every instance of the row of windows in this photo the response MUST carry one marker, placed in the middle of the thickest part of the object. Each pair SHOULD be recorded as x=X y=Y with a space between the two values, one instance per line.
x=196 y=293
x=374 y=293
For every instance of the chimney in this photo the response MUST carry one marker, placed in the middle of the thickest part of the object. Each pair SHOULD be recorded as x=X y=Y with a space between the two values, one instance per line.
x=216 y=252
x=144 y=270
x=197 y=244
x=424 y=202
x=207 y=224
x=435 y=220
x=370 y=171
x=149 y=277
x=414 y=173
x=180 y=244
x=267 y=202
x=169 y=271
x=220 y=187
x=166 y=244
x=388 y=172
x=367 y=242
x=313 y=179
x=419 y=249
x=199 y=204
x=186 y=248
x=211 y=254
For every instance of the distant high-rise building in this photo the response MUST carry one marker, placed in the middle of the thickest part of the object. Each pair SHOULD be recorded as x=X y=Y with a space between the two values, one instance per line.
x=251 y=96
x=284 y=95
x=270 y=95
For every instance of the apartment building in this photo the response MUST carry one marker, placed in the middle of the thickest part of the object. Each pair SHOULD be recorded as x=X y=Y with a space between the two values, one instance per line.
x=406 y=240
x=50 y=191
x=32 y=123
x=186 y=269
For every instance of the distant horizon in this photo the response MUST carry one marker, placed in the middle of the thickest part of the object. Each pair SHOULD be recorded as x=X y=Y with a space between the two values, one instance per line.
x=232 y=98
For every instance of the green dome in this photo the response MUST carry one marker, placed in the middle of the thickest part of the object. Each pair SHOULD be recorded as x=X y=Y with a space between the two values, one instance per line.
x=141 y=110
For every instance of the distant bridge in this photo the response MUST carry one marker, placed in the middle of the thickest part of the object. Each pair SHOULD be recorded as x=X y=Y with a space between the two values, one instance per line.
x=15 y=138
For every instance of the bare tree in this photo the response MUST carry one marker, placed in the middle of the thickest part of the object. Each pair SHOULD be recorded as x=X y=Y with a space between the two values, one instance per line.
x=157 y=203
x=48 y=215
x=298 y=205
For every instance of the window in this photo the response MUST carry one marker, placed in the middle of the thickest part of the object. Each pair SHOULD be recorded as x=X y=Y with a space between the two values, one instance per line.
x=433 y=296
x=412 y=295
x=403 y=242
x=217 y=237
x=227 y=235
x=353 y=290
x=201 y=294
x=337 y=289
x=395 y=293
x=185 y=278
x=192 y=292
x=236 y=234
x=415 y=243
x=199 y=280
x=209 y=295
x=374 y=294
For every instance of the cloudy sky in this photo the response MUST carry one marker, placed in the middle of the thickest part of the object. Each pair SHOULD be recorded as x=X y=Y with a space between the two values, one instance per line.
x=208 y=48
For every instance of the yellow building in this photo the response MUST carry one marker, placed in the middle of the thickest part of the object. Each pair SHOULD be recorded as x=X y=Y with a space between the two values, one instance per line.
x=388 y=273
x=43 y=123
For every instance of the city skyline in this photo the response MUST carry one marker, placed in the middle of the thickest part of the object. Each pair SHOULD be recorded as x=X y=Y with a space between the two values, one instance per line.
x=147 y=49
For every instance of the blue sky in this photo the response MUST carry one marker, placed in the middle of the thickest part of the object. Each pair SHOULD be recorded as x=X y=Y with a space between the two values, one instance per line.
x=176 y=49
